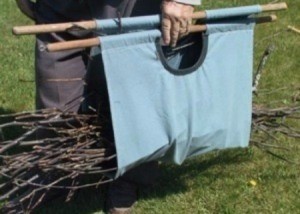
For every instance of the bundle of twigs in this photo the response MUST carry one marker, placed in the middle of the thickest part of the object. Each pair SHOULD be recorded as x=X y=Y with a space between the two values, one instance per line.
x=30 y=168
x=266 y=122
x=32 y=164
x=272 y=121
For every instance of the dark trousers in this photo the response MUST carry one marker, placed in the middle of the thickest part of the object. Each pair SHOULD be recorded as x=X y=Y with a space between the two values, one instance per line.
x=60 y=76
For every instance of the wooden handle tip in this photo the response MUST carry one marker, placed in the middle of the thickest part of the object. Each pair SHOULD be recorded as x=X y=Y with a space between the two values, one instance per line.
x=15 y=31
x=274 y=7
x=273 y=18
x=284 y=5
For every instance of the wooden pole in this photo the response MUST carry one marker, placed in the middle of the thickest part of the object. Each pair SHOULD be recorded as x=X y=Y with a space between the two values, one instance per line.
x=266 y=19
x=82 y=43
x=91 y=25
x=274 y=7
x=51 y=28
x=86 y=43
x=264 y=8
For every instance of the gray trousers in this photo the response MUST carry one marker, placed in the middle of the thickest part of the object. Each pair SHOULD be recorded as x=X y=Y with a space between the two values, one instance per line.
x=60 y=76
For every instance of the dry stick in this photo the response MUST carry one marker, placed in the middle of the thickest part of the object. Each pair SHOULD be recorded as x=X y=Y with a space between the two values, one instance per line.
x=58 y=154
x=23 y=168
x=269 y=145
x=47 y=186
x=277 y=112
x=64 y=187
x=91 y=25
x=280 y=157
x=263 y=148
x=11 y=178
x=86 y=43
x=15 y=123
x=42 y=111
x=291 y=28
x=17 y=188
x=101 y=160
x=261 y=66
x=47 y=121
x=91 y=169
x=17 y=141
x=46 y=141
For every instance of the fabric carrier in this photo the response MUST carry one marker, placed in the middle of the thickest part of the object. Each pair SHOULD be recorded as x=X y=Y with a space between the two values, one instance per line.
x=170 y=104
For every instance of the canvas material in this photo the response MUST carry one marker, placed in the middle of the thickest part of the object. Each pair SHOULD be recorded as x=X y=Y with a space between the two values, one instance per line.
x=116 y=26
x=159 y=115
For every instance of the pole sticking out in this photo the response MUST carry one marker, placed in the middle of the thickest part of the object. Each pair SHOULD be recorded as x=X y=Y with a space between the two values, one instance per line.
x=291 y=28
x=82 y=43
x=264 y=8
x=86 y=43
x=274 y=7
x=266 y=19
x=91 y=25
x=51 y=28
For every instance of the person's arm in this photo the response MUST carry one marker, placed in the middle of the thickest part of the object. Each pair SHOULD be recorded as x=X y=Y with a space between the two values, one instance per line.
x=176 y=18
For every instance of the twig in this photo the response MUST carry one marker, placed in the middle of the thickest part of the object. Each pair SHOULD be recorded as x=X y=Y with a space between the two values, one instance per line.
x=261 y=66
x=291 y=28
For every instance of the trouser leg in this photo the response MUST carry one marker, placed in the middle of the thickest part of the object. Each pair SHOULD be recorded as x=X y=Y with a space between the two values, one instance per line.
x=59 y=78
x=59 y=75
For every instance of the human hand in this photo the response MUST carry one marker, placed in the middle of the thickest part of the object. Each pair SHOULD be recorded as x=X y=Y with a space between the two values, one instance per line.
x=176 y=18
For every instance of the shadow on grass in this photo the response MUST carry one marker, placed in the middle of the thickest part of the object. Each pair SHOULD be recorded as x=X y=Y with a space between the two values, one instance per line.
x=173 y=180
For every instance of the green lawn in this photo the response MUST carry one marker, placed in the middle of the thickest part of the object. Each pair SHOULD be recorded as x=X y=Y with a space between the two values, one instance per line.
x=218 y=182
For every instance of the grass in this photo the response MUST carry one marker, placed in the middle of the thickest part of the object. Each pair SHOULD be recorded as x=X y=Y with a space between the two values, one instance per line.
x=218 y=182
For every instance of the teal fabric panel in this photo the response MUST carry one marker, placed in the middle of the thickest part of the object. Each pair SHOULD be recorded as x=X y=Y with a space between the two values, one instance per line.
x=233 y=12
x=161 y=115
x=116 y=26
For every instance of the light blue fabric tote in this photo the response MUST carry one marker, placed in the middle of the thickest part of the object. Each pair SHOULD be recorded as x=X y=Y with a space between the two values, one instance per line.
x=171 y=104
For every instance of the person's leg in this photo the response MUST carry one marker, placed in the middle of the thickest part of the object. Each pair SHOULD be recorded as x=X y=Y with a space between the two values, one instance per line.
x=123 y=193
x=59 y=78
x=59 y=75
